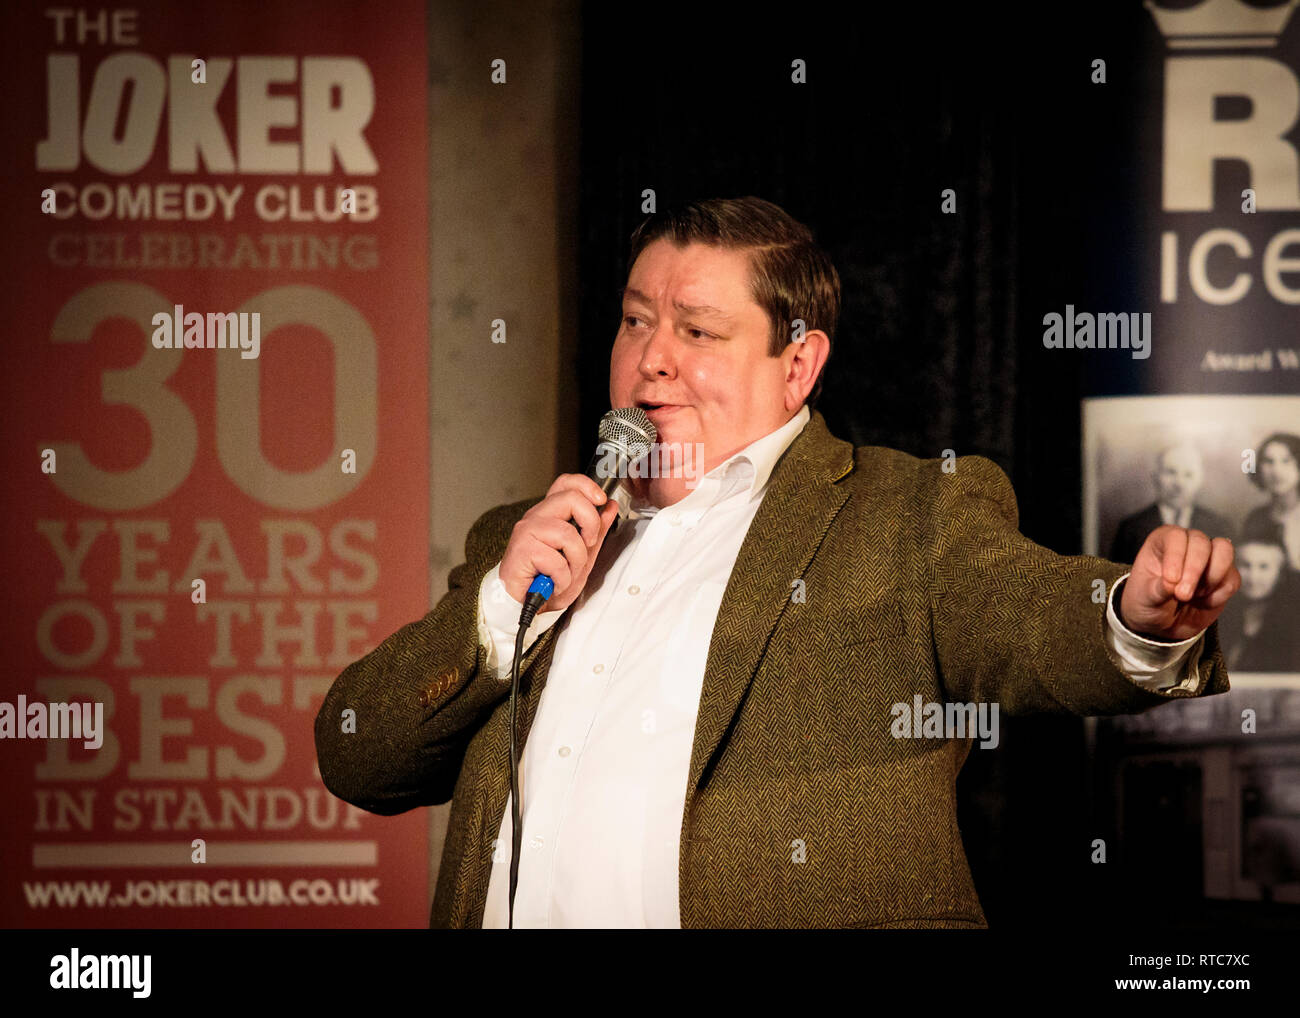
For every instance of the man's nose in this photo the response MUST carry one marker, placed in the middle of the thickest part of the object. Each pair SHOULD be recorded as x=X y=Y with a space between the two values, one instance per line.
x=659 y=355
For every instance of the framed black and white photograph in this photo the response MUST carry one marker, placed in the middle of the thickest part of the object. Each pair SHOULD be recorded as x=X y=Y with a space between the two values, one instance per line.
x=1226 y=465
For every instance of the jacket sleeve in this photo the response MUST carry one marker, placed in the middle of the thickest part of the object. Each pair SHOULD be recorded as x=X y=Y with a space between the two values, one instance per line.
x=420 y=696
x=1015 y=623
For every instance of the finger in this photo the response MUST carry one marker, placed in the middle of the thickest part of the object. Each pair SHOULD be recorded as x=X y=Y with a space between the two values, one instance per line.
x=578 y=507
x=1221 y=561
x=1171 y=545
x=1230 y=585
x=565 y=482
x=580 y=483
x=1194 y=563
x=573 y=504
x=608 y=514
x=565 y=538
x=542 y=558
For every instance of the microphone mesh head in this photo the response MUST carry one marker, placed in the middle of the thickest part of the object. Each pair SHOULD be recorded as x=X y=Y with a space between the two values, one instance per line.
x=630 y=429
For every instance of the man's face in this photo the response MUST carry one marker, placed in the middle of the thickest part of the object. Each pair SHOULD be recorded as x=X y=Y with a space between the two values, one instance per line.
x=693 y=343
x=1260 y=566
x=1179 y=476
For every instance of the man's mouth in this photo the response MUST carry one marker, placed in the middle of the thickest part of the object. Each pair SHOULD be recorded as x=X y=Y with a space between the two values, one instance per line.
x=652 y=407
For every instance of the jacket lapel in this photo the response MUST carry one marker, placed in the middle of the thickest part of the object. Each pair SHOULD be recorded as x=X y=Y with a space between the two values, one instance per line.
x=801 y=501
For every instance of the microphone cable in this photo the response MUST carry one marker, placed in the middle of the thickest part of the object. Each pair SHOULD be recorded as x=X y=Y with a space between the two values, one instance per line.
x=541 y=589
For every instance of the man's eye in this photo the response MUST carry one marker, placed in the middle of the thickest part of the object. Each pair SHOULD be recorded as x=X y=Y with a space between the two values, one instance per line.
x=630 y=320
x=700 y=332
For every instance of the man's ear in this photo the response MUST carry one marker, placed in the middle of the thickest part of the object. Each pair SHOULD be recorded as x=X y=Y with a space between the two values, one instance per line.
x=807 y=356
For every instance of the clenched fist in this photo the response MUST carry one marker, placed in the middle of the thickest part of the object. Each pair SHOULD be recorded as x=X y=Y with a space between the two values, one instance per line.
x=544 y=541
x=1180 y=582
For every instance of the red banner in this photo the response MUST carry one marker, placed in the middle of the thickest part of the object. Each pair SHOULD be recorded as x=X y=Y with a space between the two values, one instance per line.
x=215 y=456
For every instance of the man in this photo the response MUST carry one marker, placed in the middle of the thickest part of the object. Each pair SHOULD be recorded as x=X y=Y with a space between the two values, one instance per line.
x=707 y=702
x=1178 y=477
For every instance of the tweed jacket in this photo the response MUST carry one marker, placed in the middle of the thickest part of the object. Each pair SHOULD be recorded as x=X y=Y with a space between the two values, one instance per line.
x=802 y=809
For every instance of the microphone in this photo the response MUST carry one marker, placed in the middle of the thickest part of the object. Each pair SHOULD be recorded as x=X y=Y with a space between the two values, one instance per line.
x=625 y=436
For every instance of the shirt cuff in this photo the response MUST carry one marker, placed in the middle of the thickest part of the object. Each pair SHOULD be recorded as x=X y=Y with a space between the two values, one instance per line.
x=1152 y=664
x=498 y=623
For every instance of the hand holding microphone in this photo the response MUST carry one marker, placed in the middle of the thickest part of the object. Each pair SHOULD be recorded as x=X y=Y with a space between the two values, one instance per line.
x=557 y=540
x=545 y=541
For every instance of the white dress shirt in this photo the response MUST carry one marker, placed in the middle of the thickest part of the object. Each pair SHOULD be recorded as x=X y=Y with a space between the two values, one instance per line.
x=603 y=773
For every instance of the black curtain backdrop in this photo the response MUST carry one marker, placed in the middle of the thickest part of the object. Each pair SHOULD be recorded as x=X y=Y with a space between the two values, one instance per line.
x=940 y=340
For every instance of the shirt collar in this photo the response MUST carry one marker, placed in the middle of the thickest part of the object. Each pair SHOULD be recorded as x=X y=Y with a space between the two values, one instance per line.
x=762 y=454
x=746 y=471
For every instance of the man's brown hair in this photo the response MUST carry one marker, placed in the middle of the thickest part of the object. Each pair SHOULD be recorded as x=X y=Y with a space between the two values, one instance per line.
x=790 y=277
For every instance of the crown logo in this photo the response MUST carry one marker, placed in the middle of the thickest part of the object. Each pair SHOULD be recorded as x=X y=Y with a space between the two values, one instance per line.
x=1222 y=24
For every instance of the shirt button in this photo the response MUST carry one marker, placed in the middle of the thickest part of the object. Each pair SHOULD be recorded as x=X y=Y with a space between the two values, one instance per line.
x=675 y=519
x=535 y=843
x=565 y=751
x=598 y=669
x=634 y=589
